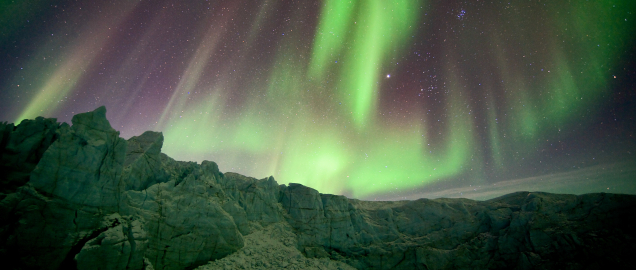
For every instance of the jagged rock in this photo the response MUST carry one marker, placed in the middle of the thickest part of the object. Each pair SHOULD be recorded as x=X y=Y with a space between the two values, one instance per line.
x=75 y=182
x=307 y=216
x=259 y=198
x=78 y=182
x=186 y=225
x=21 y=148
x=84 y=165
x=273 y=247
x=95 y=200
x=142 y=165
x=177 y=170
x=346 y=225
x=43 y=232
x=238 y=215
x=521 y=230
x=122 y=245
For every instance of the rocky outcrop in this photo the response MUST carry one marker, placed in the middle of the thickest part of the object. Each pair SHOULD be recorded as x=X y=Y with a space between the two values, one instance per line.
x=521 y=230
x=142 y=165
x=120 y=245
x=92 y=199
x=21 y=148
x=81 y=197
x=185 y=223
x=273 y=247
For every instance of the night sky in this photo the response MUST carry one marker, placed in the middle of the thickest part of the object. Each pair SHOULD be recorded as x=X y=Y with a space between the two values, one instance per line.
x=372 y=99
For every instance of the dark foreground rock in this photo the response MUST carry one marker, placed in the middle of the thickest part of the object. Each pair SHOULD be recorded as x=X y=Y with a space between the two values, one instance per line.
x=81 y=197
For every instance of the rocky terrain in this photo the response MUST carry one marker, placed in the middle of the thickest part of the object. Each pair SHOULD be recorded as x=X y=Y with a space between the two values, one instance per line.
x=273 y=247
x=81 y=197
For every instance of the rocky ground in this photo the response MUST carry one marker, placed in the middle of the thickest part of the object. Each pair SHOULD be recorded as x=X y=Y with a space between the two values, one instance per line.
x=272 y=247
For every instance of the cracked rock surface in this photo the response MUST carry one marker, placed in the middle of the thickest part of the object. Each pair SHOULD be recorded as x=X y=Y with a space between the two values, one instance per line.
x=80 y=197
x=273 y=247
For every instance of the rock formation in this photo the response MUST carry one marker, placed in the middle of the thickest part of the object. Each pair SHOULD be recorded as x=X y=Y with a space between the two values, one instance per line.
x=81 y=197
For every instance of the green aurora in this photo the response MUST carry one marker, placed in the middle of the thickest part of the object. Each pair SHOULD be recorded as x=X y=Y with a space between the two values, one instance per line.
x=357 y=97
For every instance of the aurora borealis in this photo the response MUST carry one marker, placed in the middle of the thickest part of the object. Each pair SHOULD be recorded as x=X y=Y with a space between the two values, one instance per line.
x=370 y=99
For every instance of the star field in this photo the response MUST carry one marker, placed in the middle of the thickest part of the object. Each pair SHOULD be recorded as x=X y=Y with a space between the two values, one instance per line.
x=370 y=99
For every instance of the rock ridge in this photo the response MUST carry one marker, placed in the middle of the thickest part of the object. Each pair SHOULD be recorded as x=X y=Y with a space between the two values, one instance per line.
x=80 y=197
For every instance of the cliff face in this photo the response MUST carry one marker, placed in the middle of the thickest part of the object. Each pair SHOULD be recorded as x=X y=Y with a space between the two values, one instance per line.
x=82 y=197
